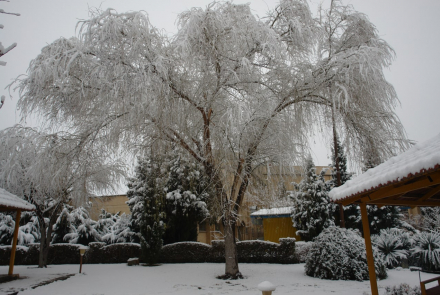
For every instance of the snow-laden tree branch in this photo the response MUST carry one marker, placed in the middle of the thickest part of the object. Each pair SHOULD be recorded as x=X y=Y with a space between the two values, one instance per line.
x=4 y=50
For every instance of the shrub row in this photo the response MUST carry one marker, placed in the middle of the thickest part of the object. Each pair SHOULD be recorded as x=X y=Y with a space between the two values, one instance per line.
x=183 y=252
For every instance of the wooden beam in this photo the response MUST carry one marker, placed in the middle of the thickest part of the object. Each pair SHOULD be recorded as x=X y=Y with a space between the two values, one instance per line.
x=14 y=243
x=422 y=182
x=369 y=249
x=430 y=194
x=388 y=202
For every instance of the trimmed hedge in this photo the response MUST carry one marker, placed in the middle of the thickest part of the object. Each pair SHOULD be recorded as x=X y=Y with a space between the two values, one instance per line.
x=183 y=252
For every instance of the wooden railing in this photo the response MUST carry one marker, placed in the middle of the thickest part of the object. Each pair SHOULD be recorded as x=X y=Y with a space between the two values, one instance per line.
x=432 y=290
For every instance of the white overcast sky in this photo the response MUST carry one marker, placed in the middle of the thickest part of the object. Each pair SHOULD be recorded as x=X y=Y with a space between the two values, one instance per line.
x=410 y=27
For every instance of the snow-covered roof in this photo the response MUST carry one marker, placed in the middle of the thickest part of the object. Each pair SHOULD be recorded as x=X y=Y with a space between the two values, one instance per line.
x=421 y=158
x=10 y=201
x=273 y=212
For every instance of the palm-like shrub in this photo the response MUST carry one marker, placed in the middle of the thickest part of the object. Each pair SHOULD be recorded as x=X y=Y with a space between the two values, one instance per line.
x=427 y=250
x=339 y=254
x=393 y=244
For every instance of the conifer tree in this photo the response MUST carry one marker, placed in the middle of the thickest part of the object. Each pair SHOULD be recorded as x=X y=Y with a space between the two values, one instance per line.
x=187 y=191
x=350 y=212
x=183 y=187
x=312 y=210
x=84 y=228
x=137 y=192
x=152 y=226
x=62 y=226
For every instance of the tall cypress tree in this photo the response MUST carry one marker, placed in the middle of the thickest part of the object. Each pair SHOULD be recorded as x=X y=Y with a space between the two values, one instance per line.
x=151 y=218
x=351 y=211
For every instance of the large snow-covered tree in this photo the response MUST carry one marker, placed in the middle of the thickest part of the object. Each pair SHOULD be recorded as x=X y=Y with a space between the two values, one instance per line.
x=49 y=170
x=232 y=90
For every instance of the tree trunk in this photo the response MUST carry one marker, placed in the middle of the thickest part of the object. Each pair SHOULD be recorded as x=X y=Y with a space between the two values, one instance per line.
x=231 y=257
x=46 y=238
x=44 y=245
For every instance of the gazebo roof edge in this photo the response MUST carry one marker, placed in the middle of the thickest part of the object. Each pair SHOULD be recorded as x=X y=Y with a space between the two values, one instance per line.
x=390 y=183
x=422 y=158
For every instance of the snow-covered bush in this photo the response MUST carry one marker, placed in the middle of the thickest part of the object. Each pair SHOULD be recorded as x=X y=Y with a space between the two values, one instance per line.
x=394 y=244
x=427 y=250
x=339 y=254
x=7 y=224
x=312 y=210
x=84 y=228
x=119 y=231
x=62 y=226
x=29 y=232
x=402 y=289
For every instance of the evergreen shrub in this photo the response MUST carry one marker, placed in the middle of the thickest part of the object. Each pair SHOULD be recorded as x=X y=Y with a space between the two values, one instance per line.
x=339 y=254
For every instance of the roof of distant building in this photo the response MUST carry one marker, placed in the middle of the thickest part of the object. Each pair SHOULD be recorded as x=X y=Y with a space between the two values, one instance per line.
x=274 y=212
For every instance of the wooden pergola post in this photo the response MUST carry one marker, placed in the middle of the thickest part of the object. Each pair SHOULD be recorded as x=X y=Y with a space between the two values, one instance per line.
x=14 y=243
x=369 y=248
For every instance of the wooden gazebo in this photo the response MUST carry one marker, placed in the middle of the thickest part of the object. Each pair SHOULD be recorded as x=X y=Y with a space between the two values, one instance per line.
x=10 y=202
x=409 y=179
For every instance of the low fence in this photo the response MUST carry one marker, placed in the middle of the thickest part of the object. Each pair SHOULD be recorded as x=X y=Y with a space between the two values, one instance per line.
x=183 y=252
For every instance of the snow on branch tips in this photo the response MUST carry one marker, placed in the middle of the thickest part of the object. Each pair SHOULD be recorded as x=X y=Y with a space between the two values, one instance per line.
x=4 y=50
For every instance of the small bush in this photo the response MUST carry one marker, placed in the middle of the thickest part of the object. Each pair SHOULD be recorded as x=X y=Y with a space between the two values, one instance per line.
x=339 y=254
x=402 y=289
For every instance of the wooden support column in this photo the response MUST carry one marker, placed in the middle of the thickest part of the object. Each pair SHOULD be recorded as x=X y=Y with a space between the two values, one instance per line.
x=341 y=216
x=369 y=248
x=14 y=243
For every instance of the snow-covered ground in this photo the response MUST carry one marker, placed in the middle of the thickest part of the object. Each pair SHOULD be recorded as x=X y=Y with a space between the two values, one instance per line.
x=186 y=279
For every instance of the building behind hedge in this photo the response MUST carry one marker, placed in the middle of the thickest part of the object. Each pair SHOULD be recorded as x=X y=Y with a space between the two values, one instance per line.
x=266 y=183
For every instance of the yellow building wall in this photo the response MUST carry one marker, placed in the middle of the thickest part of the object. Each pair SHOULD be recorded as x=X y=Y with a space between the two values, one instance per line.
x=276 y=228
x=111 y=204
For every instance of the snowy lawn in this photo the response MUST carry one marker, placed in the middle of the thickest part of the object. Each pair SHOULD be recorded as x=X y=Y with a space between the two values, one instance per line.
x=186 y=279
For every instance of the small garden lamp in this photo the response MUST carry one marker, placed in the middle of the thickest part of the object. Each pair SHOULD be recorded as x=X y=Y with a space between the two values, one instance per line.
x=82 y=250
x=266 y=287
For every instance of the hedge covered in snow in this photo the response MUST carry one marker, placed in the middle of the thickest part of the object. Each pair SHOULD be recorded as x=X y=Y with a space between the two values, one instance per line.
x=182 y=252
x=339 y=254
